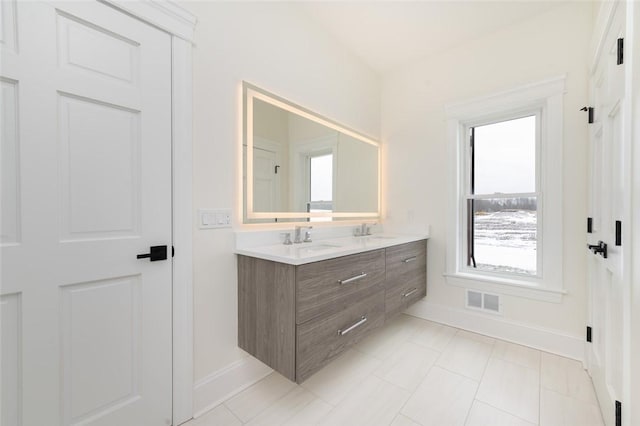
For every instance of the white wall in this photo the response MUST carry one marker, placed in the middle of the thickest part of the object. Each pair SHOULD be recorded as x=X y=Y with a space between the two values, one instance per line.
x=274 y=47
x=415 y=146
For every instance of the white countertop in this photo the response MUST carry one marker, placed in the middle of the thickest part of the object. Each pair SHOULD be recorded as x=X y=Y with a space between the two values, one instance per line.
x=299 y=254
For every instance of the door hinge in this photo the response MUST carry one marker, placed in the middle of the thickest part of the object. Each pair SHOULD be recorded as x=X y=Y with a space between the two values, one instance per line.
x=589 y=225
x=589 y=334
x=618 y=413
x=618 y=232
x=620 y=53
x=173 y=251
x=589 y=111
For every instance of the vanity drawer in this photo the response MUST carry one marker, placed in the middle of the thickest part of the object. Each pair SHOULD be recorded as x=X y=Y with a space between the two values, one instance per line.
x=405 y=263
x=320 y=341
x=406 y=281
x=401 y=297
x=331 y=286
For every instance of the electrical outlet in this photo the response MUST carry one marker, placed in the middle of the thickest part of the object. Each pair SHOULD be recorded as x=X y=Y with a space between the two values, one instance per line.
x=214 y=218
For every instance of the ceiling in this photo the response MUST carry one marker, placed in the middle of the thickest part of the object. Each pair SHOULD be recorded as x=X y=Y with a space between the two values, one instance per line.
x=388 y=34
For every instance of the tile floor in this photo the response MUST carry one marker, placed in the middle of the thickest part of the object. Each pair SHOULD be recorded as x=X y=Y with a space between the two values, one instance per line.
x=417 y=372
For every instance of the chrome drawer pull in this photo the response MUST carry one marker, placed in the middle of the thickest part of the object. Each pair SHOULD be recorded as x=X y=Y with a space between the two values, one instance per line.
x=410 y=292
x=352 y=279
x=410 y=259
x=363 y=319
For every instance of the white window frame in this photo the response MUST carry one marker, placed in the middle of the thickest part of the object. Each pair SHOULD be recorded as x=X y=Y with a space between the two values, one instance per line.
x=545 y=100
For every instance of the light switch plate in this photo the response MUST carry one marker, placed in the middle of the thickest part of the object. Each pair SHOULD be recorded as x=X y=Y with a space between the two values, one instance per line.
x=214 y=218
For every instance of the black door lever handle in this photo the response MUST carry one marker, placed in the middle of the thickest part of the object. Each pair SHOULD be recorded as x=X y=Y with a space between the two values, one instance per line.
x=155 y=253
x=601 y=248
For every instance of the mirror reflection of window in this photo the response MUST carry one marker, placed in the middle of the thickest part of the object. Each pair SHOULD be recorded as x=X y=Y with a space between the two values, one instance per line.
x=321 y=185
x=280 y=141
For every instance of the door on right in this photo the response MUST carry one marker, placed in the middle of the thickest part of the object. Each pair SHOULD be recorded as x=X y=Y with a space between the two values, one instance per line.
x=608 y=184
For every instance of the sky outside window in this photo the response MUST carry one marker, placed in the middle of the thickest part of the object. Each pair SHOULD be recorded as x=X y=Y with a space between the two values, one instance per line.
x=505 y=157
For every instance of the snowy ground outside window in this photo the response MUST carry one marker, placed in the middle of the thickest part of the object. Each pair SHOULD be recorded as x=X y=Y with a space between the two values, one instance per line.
x=505 y=241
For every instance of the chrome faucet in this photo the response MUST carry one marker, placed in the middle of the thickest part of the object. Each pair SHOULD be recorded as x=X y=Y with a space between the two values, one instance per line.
x=287 y=238
x=307 y=237
x=298 y=234
x=363 y=230
x=369 y=227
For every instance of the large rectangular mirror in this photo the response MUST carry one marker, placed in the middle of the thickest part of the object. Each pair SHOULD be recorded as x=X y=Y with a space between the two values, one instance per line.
x=299 y=166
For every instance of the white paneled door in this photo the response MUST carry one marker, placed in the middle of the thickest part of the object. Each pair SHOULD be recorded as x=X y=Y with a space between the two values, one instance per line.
x=86 y=187
x=266 y=182
x=608 y=291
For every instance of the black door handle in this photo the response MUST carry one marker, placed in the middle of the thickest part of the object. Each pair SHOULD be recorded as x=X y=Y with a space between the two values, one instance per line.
x=601 y=248
x=155 y=253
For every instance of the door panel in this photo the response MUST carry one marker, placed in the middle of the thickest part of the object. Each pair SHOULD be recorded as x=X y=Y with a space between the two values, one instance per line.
x=10 y=351
x=10 y=162
x=265 y=181
x=86 y=154
x=101 y=343
x=99 y=148
x=8 y=35
x=79 y=40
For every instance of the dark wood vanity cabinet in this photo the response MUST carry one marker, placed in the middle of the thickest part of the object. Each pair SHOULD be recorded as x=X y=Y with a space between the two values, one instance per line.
x=296 y=319
x=406 y=276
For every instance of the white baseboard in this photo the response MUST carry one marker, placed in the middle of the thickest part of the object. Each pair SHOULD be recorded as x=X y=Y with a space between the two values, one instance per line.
x=226 y=382
x=523 y=334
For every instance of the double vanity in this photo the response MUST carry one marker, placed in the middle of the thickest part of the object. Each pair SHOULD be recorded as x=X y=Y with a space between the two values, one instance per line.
x=302 y=305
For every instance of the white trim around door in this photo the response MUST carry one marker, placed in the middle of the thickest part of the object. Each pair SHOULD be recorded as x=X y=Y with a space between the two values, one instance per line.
x=182 y=232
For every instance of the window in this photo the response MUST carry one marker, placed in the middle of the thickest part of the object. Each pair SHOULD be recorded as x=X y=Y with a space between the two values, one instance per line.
x=505 y=206
x=501 y=197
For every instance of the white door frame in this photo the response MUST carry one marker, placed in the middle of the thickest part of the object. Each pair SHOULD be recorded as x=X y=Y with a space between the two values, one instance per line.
x=632 y=414
x=180 y=24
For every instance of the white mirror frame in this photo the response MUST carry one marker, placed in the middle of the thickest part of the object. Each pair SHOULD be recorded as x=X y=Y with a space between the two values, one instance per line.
x=250 y=93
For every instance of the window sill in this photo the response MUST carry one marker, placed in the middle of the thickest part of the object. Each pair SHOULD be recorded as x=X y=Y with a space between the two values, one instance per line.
x=508 y=286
